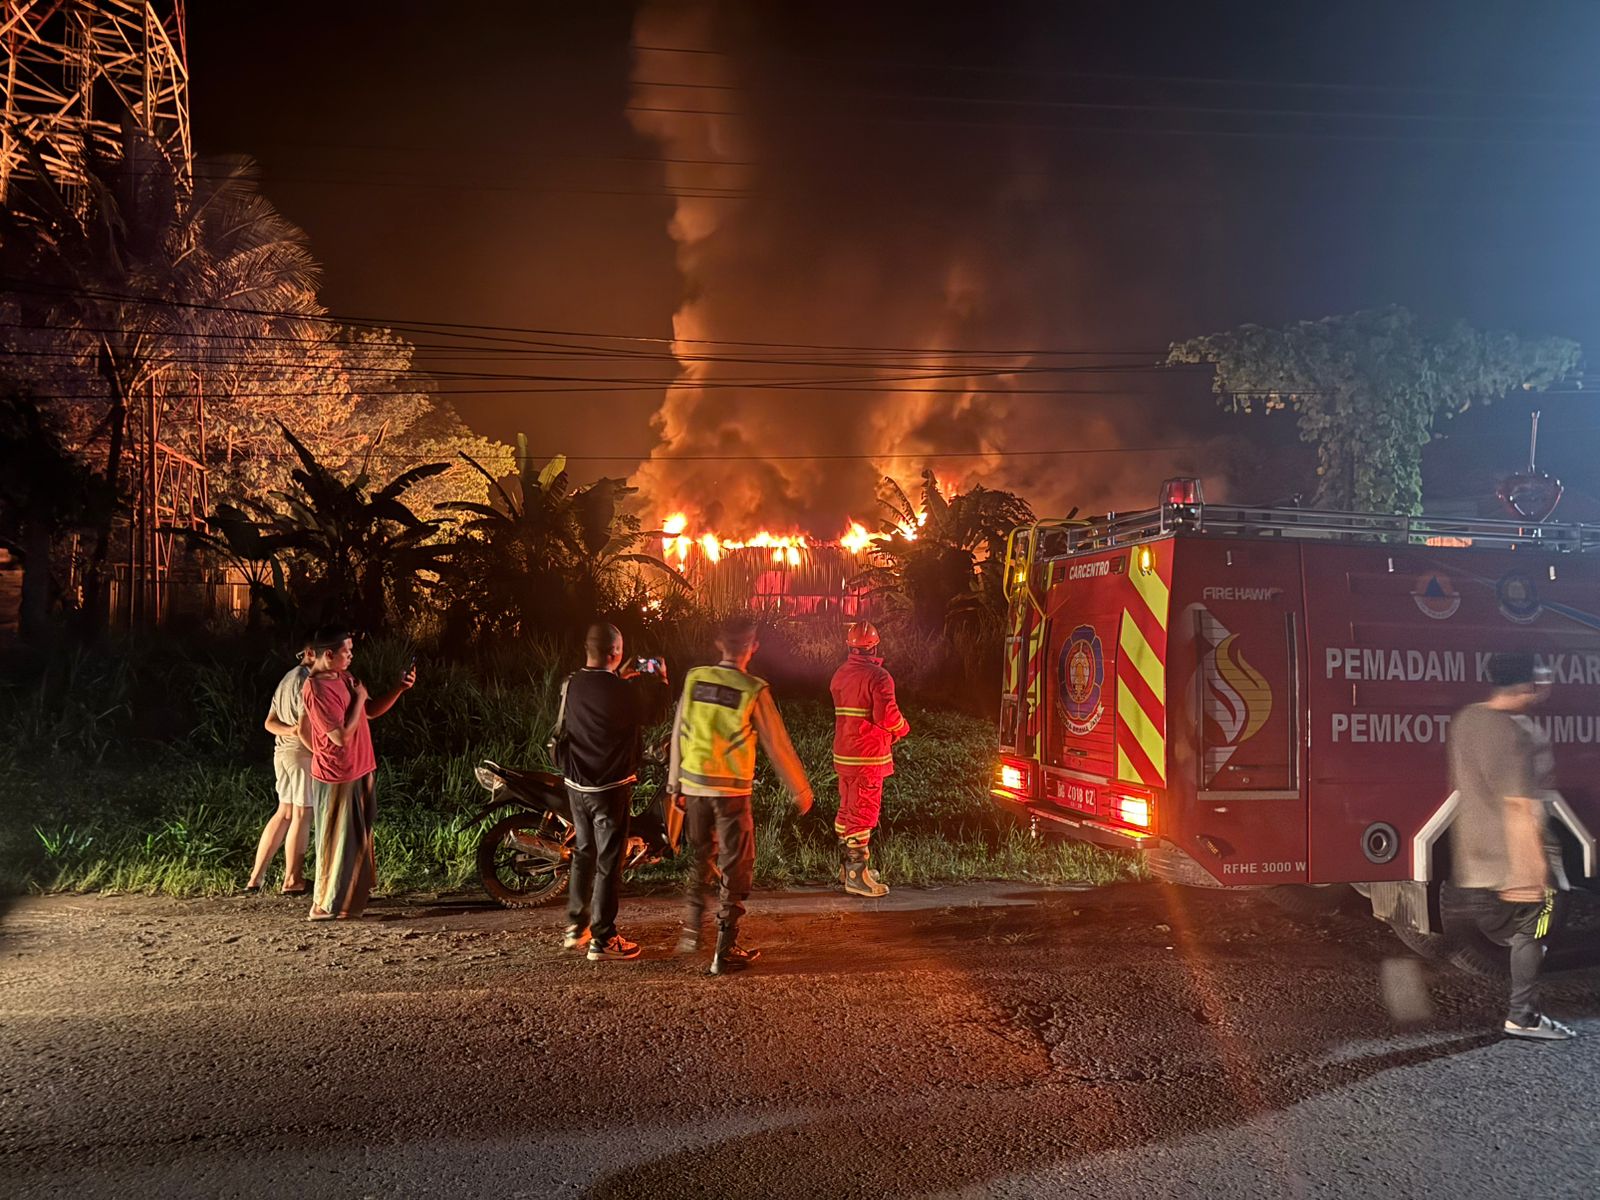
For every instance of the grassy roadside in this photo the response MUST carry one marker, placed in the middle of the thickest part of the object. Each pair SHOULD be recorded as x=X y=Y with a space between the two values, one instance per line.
x=181 y=814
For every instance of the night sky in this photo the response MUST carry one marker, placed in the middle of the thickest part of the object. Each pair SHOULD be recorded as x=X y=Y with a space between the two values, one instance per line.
x=1095 y=179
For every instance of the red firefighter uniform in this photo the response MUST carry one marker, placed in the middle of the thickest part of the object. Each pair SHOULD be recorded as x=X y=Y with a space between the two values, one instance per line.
x=867 y=723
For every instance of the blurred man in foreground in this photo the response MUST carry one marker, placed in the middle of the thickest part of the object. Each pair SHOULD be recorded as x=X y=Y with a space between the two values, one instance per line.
x=1506 y=861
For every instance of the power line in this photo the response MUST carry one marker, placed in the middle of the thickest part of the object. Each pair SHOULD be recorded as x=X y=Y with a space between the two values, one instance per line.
x=1129 y=77
x=441 y=328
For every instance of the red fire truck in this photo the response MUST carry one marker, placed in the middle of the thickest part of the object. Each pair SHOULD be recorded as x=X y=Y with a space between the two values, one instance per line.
x=1260 y=697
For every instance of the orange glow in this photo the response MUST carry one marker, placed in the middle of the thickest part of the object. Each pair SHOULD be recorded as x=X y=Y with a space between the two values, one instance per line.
x=856 y=539
x=712 y=547
x=675 y=544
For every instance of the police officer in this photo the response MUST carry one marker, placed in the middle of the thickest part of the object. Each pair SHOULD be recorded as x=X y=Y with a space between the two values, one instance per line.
x=866 y=724
x=723 y=711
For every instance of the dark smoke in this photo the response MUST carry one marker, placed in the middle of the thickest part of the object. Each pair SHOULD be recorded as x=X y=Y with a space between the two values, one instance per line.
x=819 y=242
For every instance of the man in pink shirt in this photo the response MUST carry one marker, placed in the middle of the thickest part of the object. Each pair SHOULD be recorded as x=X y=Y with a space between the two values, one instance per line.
x=334 y=721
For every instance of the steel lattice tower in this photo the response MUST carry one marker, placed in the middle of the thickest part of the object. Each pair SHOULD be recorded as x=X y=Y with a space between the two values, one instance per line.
x=74 y=69
x=74 y=72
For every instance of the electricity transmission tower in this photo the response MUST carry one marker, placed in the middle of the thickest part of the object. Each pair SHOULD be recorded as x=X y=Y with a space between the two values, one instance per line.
x=74 y=72
x=76 y=69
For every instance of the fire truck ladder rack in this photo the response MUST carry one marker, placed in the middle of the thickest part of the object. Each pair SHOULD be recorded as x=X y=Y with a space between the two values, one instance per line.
x=1056 y=539
x=1026 y=546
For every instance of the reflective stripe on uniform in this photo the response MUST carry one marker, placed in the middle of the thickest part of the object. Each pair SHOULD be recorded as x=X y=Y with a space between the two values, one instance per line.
x=717 y=781
x=840 y=711
x=1542 y=927
x=877 y=760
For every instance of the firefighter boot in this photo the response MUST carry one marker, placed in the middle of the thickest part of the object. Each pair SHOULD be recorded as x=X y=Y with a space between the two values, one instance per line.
x=859 y=878
x=730 y=956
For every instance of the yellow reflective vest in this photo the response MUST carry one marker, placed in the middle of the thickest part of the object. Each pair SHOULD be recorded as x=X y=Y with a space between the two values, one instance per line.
x=716 y=733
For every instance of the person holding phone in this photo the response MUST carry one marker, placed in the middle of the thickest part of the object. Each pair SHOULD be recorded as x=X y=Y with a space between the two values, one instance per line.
x=599 y=746
x=334 y=723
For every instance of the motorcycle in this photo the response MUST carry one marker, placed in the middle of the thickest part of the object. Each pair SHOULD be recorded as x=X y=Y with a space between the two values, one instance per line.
x=524 y=858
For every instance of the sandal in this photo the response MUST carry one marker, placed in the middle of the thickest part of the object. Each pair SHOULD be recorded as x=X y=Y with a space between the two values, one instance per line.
x=318 y=915
x=302 y=890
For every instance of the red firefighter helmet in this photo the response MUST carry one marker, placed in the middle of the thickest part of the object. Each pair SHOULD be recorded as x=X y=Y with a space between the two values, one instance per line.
x=861 y=635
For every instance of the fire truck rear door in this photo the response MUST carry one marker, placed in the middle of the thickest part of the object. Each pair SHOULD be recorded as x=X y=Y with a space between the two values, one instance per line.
x=1246 y=705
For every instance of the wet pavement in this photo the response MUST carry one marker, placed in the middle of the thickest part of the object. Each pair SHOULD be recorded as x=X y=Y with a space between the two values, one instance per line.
x=980 y=1041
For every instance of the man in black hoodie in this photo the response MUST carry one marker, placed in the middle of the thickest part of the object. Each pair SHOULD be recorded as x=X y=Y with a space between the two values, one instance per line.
x=604 y=709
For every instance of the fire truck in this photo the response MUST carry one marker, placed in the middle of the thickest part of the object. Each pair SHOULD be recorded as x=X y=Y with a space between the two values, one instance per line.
x=1260 y=697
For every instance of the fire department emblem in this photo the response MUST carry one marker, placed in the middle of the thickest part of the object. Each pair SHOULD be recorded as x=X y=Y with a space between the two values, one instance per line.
x=1081 y=677
x=1235 y=698
x=1519 y=599
x=1436 y=597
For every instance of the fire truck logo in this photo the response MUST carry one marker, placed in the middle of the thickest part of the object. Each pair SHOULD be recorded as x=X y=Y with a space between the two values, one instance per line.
x=1519 y=599
x=1436 y=597
x=1081 y=676
x=1236 y=699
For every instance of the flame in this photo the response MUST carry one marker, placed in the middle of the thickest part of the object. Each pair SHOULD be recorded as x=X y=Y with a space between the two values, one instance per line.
x=675 y=544
x=856 y=539
x=678 y=541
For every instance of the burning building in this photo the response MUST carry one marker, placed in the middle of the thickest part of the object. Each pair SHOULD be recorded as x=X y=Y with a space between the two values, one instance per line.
x=781 y=575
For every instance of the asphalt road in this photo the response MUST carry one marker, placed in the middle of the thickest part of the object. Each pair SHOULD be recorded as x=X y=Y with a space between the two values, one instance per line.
x=995 y=1041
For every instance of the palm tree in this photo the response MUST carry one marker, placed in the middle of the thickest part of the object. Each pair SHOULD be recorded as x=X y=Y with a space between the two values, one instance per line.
x=945 y=557
x=355 y=553
x=236 y=537
x=541 y=554
x=154 y=276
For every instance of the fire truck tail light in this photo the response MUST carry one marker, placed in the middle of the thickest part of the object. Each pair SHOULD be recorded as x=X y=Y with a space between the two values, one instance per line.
x=1134 y=811
x=1011 y=777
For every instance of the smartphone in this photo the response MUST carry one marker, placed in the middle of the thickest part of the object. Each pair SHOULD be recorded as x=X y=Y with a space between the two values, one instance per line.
x=647 y=666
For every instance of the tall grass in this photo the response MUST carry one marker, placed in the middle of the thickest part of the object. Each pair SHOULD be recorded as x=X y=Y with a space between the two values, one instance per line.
x=146 y=768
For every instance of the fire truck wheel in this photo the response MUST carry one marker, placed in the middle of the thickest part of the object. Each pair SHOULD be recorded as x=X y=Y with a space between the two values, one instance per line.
x=1435 y=947
x=1474 y=954
x=1309 y=900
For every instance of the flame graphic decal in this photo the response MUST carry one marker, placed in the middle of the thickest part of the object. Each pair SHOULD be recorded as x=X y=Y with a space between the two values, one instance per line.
x=1247 y=687
x=1236 y=700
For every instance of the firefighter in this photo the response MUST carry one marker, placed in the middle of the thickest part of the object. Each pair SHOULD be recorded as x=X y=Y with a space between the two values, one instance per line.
x=866 y=725
x=723 y=712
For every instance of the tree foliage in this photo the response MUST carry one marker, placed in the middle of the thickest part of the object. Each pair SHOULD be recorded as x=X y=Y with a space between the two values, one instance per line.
x=332 y=548
x=1370 y=387
x=45 y=492
x=944 y=556
x=541 y=555
x=155 y=277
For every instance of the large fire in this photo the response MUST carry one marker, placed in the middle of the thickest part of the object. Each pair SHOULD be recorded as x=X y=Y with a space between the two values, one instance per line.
x=677 y=542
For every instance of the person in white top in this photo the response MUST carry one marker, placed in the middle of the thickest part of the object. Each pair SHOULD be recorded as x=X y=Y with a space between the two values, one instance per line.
x=291 y=764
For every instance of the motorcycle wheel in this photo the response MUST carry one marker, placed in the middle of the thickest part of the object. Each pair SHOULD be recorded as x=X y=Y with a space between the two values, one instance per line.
x=517 y=877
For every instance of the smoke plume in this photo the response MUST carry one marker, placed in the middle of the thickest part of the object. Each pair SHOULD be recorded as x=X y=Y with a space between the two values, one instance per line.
x=796 y=237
